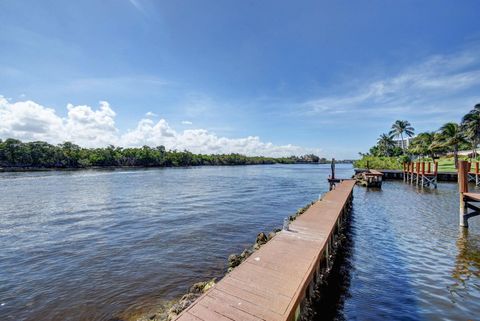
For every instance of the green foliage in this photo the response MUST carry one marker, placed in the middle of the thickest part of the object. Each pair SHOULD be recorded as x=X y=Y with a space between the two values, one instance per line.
x=471 y=126
x=451 y=137
x=401 y=128
x=374 y=162
x=14 y=153
x=385 y=147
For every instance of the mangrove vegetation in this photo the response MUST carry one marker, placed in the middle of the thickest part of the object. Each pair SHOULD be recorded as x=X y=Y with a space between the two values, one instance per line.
x=24 y=155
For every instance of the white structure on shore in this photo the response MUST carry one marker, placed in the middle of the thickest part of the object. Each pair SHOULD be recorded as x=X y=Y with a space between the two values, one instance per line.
x=406 y=141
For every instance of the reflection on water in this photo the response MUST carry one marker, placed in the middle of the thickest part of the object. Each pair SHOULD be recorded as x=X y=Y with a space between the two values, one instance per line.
x=95 y=245
x=407 y=260
x=467 y=266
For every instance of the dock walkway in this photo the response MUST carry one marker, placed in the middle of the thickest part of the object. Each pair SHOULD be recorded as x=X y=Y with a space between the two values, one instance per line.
x=274 y=281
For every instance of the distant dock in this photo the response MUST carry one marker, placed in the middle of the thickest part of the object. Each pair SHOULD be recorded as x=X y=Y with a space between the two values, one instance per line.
x=277 y=281
x=398 y=174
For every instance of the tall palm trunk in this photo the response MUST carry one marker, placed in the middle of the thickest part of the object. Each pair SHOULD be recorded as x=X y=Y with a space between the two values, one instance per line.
x=403 y=147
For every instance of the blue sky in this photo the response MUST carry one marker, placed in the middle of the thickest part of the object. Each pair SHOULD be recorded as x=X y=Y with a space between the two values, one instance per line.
x=257 y=77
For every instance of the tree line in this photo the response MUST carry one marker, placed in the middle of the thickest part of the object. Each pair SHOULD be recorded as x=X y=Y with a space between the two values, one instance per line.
x=450 y=137
x=17 y=154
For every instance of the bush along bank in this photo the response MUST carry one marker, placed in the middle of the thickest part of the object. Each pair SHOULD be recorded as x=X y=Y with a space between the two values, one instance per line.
x=170 y=310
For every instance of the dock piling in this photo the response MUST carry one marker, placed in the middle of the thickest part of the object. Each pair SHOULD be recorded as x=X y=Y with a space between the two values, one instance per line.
x=421 y=175
x=463 y=188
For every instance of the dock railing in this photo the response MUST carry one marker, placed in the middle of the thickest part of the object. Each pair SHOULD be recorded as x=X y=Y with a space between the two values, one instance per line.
x=420 y=173
x=468 y=201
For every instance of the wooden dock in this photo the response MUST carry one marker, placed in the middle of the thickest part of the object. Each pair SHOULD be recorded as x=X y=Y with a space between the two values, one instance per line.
x=372 y=178
x=398 y=174
x=474 y=173
x=469 y=202
x=421 y=173
x=277 y=280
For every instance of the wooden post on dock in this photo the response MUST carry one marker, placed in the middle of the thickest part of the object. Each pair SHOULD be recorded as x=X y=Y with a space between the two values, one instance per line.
x=417 y=177
x=463 y=188
x=476 y=173
x=423 y=174
x=412 y=172
x=468 y=201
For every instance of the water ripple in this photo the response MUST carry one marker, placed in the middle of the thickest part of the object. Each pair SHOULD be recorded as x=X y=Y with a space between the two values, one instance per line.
x=92 y=245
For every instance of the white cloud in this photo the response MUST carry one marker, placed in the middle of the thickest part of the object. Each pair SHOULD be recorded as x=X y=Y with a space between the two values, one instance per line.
x=27 y=120
x=89 y=127
x=186 y=122
x=429 y=88
x=150 y=114
x=30 y=121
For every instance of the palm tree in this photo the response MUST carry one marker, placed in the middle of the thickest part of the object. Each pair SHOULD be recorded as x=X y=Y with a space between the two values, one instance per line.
x=401 y=127
x=423 y=144
x=471 y=127
x=450 y=135
x=385 y=144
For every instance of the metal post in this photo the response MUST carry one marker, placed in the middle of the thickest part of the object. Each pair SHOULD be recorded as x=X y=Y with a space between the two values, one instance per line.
x=333 y=168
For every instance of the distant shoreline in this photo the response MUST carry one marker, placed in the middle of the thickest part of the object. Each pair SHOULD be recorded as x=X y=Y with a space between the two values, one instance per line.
x=68 y=169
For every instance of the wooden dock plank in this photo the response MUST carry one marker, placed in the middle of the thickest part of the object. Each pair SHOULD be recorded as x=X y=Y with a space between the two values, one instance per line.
x=246 y=306
x=472 y=196
x=271 y=283
x=228 y=311
x=190 y=317
x=275 y=302
x=206 y=314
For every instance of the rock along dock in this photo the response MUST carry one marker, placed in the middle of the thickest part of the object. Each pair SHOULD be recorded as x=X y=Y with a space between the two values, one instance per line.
x=277 y=281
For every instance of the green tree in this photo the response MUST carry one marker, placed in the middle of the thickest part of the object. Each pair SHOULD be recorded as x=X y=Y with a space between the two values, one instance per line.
x=450 y=136
x=471 y=127
x=401 y=128
x=423 y=145
x=385 y=145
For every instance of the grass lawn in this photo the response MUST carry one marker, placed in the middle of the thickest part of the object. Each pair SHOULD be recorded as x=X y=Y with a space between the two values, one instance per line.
x=446 y=165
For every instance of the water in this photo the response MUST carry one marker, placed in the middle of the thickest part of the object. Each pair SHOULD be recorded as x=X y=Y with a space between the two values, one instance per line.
x=95 y=245
x=407 y=258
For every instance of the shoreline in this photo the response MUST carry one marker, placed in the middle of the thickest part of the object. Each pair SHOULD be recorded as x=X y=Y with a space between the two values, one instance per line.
x=67 y=169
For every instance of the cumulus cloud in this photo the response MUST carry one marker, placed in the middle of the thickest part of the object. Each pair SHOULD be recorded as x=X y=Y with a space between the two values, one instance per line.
x=186 y=122
x=28 y=120
x=86 y=126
